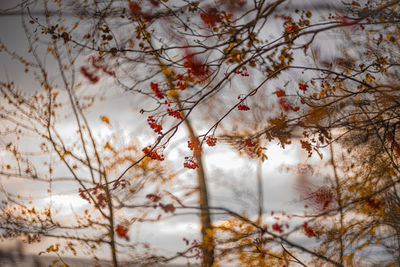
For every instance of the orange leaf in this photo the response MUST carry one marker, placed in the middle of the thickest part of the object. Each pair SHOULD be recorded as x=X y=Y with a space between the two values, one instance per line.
x=122 y=232
x=280 y=93
x=105 y=119
x=307 y=146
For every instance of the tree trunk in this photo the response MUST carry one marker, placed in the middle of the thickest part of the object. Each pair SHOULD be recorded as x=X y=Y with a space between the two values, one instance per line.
x=205 y=218
x=340 y=204
x=260 y=192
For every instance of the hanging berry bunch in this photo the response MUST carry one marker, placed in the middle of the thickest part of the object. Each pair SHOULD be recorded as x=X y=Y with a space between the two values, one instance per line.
x=190 y=163
x=242 y=106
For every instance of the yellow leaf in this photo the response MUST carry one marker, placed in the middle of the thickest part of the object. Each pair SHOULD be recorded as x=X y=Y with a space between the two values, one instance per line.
x=348 y=259
x=173 y=93
x=319 y=153
x=108 y=146
x=55 y=261
x=167 y=71
x=105 y=119
x=264 y=157
x=144 y=163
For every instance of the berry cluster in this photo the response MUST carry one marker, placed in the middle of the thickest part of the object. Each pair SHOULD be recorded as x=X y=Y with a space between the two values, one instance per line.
x=283 y=102
x=90 y=76
x=153 y=154
x=331 y=16
x=211 y=141
x=175 y=114
x=123 y=183
x=322 y=198
x=286 y=105
x=167 y=207
x=292 y=28
x=303 y=87
x=280 y=93
x=211 y=17
x=243 y=107
x=83 y=194
x=245 y=74
x=277 y=227
x=101 y=199
x=190 y=163
x=153 y=197
x=195 y=65
x=156 y=90
x=194 y=145
x=154 y=125
x=195 y=247
x=181 y=85
x=309 y=231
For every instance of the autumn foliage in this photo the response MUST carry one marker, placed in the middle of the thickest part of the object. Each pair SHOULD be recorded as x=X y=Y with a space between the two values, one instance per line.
x=320 y=79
